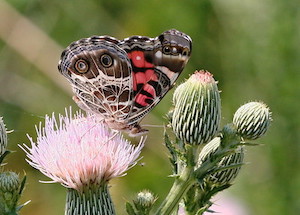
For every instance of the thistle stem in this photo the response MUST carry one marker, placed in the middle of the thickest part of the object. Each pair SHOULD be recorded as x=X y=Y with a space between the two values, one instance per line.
x=180 y=187
x=95 y=200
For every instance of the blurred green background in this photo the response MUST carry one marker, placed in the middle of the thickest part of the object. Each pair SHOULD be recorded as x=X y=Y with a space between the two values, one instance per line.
x=252 y=47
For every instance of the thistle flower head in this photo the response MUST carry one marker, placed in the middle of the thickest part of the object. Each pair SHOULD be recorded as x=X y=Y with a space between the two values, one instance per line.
x=79 y=152
x=252 y=120
x=144 y=200
x=3 y=137
x=197 y=109
x=142 y=204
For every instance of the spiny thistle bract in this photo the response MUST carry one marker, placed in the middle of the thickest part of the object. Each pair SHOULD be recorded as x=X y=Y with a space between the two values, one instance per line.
x=228 y=174
x=3 y=137
x=252 y=120
x=197 y=109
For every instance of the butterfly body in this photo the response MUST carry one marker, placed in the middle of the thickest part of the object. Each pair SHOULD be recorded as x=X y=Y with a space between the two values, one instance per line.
x=122 y=80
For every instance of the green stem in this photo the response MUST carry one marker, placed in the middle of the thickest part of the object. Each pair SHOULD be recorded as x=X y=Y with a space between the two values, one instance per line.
x=179 y=188
x=93 y=200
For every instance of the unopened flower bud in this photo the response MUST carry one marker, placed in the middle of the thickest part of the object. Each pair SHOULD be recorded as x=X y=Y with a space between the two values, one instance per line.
x=197 y=109
x=3 y=137
x=144 y=200
x=9 y=181
x=9 y=192
x=252 y=120
x=227 y=175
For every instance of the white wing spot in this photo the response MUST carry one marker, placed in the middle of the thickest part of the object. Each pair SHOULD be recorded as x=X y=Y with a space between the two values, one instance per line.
x=158 y=54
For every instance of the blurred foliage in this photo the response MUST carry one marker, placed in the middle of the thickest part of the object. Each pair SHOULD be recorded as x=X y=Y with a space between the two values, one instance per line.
x=252 y=47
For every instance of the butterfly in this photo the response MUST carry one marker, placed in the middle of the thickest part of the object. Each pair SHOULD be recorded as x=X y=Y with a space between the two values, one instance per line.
x=122 y=80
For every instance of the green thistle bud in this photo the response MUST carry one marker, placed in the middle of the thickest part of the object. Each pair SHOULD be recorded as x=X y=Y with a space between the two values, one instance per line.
x=3 y=137
x=197 y=109
x=144 y=201
x=9 y=182
x=252 y=120
x=228 y=170
x=10 y=191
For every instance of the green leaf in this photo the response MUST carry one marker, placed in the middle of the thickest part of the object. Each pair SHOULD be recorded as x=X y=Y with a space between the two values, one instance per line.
x=129 y=209
x=22 y=185
x=4 y=155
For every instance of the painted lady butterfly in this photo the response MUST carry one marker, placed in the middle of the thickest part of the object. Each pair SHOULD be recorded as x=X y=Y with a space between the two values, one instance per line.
x=122 y=80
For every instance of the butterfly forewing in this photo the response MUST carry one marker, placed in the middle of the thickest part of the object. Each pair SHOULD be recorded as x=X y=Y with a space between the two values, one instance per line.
x=157 y=63
x=104 y=87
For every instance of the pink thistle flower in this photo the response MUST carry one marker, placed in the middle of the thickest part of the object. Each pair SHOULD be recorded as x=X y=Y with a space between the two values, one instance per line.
x=80 y=151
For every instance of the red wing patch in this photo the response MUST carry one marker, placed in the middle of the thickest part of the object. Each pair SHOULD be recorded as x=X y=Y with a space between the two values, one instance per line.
x=143 y=76
x=138 y=59
x=146 y=96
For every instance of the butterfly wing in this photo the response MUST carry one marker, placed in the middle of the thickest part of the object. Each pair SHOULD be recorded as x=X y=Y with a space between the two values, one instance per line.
x=101 y=77
x=156 y=64
x=122 y=81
